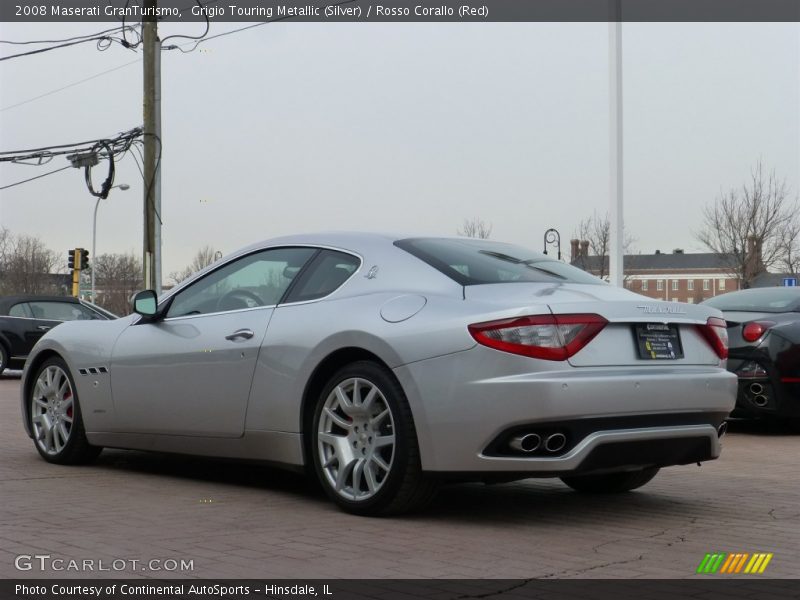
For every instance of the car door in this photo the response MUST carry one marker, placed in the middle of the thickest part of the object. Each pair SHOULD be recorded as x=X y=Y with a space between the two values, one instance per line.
x=20 y=330
x=46 y=315
x=190 y=373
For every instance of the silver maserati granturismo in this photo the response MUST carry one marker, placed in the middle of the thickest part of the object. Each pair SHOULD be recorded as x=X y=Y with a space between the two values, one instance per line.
x=385 y=365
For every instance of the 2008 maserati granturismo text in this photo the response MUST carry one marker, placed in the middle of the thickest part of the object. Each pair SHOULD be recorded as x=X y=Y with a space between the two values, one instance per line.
x=385 y=365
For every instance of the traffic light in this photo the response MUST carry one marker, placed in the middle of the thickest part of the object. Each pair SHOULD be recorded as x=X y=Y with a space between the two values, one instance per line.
x=84 y=258
x=71 y=259
x=74 y=262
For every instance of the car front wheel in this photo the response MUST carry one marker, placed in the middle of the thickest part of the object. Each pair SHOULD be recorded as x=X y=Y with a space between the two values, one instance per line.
x=611 y=483
x=56 y=416
x=364 y=443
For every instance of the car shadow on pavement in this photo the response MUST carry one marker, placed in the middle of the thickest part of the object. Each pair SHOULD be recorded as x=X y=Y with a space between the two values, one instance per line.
x=761 y=427
x=208 y=469
x=538 y=499
x=547 y=500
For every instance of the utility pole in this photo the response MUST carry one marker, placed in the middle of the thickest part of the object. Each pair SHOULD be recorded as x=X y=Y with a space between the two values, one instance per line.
x=152 y=147
x=616 y=250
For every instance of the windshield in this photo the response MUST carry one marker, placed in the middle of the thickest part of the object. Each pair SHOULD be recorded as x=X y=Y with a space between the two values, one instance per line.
x=474 y=262
x=758 y=300
x=106 y=313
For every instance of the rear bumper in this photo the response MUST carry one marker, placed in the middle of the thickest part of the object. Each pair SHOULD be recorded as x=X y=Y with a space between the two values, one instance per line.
x=623 y=449
x=464 y=402
x=774 y=395
x=767 y=398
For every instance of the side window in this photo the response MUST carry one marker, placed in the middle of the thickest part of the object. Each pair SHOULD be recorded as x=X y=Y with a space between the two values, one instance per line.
x=20 y=310
x=60 y=311
x=328 y=272
x=258 y=279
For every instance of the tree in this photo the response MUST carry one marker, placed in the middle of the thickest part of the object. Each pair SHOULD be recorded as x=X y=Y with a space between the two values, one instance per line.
x=26 y=265
x=750 y=227
x=597 y=231
x=202 y=258
x=117 y=278
x=790 y=246
x=475 y=228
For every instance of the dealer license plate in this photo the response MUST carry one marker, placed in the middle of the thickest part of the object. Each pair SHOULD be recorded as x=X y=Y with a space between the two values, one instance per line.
x=658 y=341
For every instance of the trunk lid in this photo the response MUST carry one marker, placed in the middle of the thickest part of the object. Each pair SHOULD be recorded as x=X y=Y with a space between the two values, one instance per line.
x=617 y=344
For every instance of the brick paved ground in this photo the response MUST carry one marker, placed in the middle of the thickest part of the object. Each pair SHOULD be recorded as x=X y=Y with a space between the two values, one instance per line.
x=238 y=520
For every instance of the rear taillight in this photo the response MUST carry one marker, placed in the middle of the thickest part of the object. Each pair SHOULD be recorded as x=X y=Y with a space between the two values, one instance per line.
x=755 y=329
x=550 y=337
x=715 y=331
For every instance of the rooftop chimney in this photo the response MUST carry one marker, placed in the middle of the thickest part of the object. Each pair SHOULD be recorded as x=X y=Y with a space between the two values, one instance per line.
x=678 y=251
x=753 y=260
x=573 y=250
x=658 y=251
x=584 y=248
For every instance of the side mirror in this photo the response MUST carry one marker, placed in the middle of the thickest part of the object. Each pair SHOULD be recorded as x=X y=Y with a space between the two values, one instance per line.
x=145 y=303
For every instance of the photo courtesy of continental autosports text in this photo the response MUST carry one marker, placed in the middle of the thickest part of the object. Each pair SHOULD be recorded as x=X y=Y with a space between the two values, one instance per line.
x=404 y=299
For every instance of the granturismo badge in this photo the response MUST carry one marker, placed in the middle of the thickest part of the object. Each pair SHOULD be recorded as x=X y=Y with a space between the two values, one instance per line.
x=661 y=310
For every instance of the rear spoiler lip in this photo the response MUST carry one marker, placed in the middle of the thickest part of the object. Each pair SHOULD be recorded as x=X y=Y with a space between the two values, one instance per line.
x=671 y=320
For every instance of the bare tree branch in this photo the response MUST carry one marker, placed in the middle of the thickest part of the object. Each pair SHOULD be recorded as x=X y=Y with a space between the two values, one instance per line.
x=26 y=265
x=118 y=277
x=597 y=231
x=475 y=228
x=754 y=227
x=202 y=258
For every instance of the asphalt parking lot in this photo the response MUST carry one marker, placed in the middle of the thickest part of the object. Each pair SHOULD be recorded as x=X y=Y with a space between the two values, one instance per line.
x=250 y=521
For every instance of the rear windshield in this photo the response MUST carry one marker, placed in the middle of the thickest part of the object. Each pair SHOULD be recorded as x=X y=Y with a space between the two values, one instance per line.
x=474 y=262
x=758 y=300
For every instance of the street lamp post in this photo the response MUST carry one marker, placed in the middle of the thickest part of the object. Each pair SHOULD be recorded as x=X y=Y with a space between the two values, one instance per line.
x=552 y=238
x=123 y=187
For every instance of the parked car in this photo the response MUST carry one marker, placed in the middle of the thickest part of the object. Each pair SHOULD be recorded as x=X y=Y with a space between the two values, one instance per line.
x=764 y=333
x=24 y=319
x=384 y=365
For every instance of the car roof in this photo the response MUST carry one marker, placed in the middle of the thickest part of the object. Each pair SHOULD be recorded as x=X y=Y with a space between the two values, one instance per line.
x=6 y=302
x=356 y=241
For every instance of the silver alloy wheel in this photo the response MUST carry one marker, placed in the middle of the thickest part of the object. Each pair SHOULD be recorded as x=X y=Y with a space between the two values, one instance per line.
x=355 y=439
x=52 y=410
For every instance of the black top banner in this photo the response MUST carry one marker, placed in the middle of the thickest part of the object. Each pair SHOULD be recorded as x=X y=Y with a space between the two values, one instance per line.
x=416 y=11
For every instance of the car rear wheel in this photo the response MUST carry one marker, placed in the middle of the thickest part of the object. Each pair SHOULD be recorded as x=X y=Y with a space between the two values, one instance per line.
x=364 y=443
x=55 y=415
x=611 y=483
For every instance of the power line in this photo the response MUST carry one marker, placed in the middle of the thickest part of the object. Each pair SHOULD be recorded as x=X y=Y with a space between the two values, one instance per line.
x=77 y=37
x=117 y=145
x=5 y=187
x=231 y=32
x=193 y=37
x=103 y=43
x=69 y=85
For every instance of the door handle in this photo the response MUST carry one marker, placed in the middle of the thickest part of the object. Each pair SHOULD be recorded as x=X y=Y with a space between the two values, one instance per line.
x=243 y=334
x=43 y=327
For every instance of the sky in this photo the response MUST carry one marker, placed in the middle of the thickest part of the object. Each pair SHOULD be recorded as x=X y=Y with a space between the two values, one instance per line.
x=300 y=127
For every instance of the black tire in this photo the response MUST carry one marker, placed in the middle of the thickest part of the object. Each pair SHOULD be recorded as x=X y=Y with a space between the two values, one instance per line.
x=77 y=449
x=404 y=487
x=3 y=358
x=611 y=483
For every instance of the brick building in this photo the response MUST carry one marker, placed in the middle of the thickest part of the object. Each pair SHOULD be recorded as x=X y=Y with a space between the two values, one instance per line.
x=675 y=276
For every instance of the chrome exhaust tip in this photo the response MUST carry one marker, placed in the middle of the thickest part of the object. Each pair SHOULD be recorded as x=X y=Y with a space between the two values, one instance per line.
x=722 y=429
x=761 y=400
x=555 y=442
x=529 y=442
x=756 y=389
